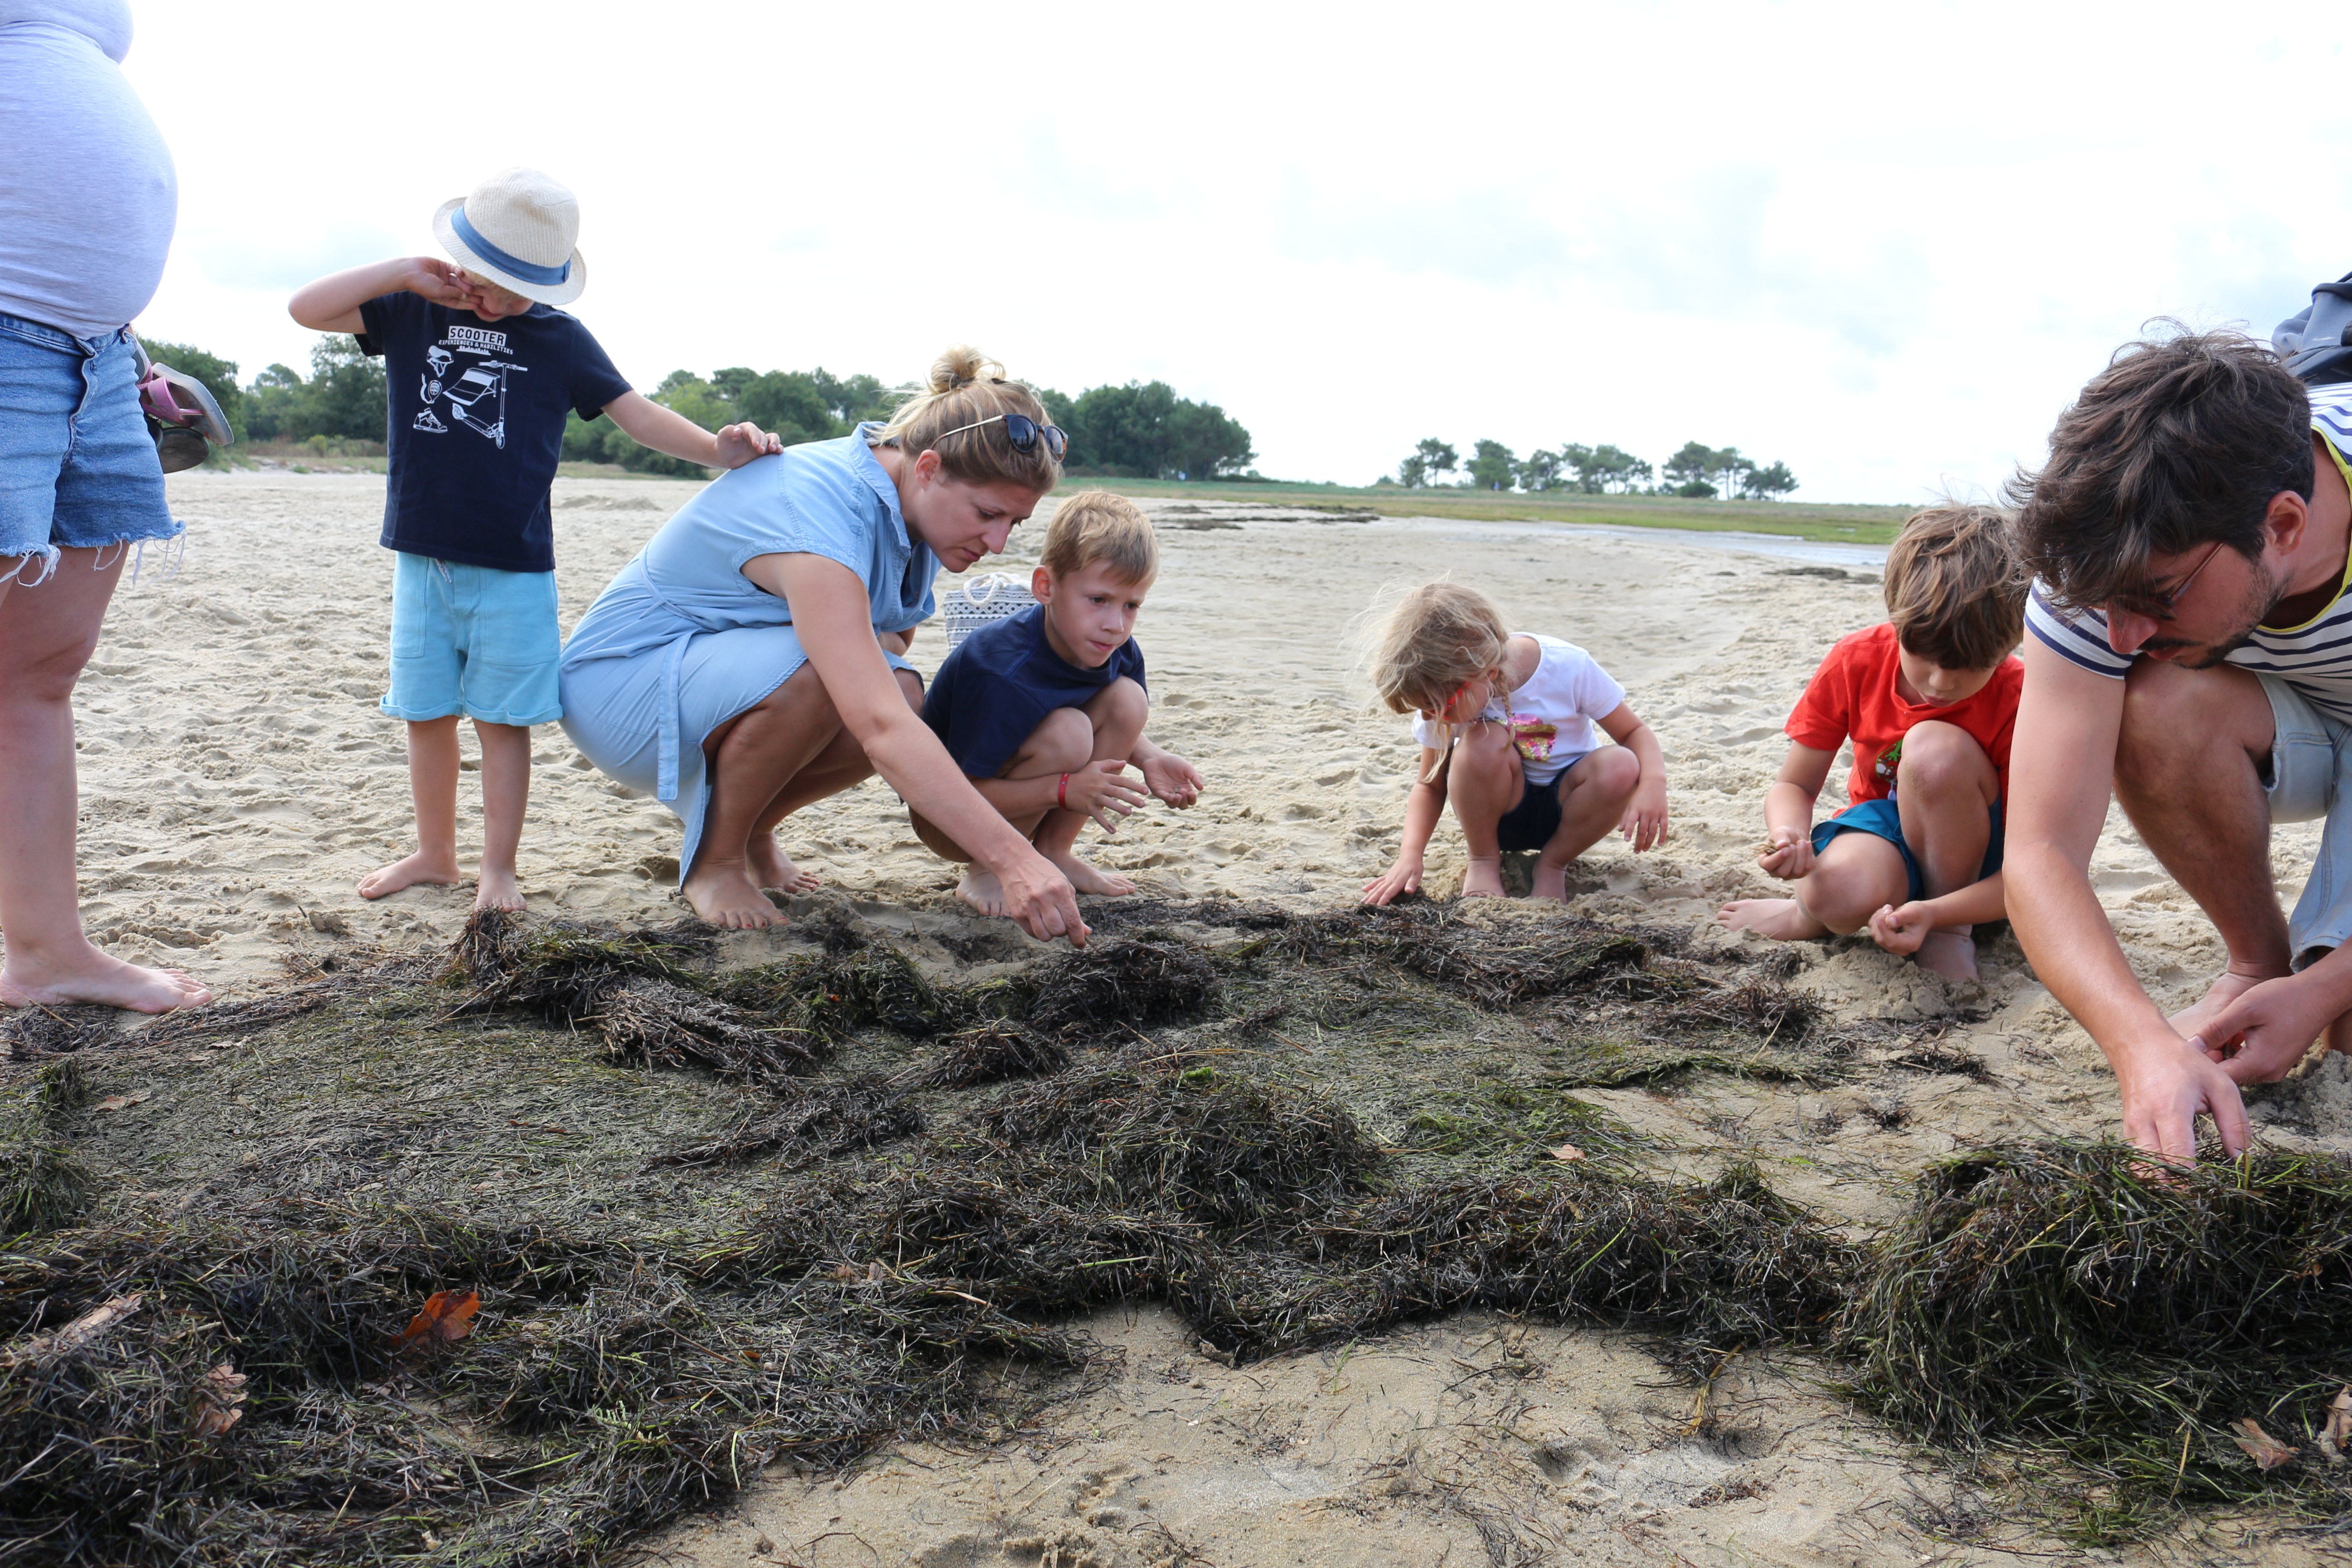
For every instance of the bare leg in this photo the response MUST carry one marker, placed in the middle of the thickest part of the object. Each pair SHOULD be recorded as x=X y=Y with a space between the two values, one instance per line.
x=1857 y=875
x=1483 y=783
x=1945 y=789
x=752 y=759
x=47 y=635
x=505 y=796
x=1115 y=717
x=1592 y=796
x=2188 y=772
x=842 y=763
x=433 y=789
x=1061 y=744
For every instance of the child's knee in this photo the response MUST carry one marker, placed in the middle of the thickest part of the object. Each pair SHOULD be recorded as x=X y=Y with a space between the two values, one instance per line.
x=1486 y=753
x=1939 y=757
x=1848 y=885
x=1125 y=703
x=1615 y=772
x=1063 y=741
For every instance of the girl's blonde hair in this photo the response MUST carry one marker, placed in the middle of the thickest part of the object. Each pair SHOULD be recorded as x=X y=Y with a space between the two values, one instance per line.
x=966 y=387
x=1435 y=638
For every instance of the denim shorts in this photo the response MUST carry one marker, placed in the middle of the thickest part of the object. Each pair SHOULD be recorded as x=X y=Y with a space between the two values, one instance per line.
x=472 y=640
x=78 y=469
x=1884 y=819
x=2307 y=784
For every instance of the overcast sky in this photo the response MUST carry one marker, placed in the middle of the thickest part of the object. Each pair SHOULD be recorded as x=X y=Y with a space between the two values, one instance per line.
x=1883 y=244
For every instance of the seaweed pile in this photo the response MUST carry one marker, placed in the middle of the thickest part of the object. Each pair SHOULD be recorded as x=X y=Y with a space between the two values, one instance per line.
x=2175 y=1335
x=312 y=1374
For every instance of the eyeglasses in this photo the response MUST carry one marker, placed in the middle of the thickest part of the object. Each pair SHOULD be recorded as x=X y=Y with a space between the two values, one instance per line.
x=2158 y=606
x=1023 y=432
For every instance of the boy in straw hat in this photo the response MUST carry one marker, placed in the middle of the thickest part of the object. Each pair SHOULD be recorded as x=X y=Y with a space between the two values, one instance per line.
x=482 y=369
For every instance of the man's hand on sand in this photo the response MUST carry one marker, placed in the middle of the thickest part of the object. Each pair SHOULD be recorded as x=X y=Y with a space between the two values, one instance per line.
x=2260 y=1034
x=2165 y=1086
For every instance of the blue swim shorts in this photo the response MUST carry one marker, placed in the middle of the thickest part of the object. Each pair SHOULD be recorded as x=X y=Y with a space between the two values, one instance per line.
x=1531 y=824
x=78 y=469
x=1881 y=819
x=472 y=640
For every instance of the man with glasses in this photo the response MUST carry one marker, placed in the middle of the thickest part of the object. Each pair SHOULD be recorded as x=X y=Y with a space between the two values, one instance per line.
x=2190 y=641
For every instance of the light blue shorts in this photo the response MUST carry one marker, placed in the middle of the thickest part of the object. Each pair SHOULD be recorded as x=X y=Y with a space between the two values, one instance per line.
x=78 y=469
x=472 y=640
x=2308 y=759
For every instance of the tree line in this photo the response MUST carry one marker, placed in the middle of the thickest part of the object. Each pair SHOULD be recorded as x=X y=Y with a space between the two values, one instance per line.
x=1697 y=470
x=1141 y=430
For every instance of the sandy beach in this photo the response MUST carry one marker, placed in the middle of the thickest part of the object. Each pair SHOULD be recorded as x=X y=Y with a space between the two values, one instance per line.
x=237 y=780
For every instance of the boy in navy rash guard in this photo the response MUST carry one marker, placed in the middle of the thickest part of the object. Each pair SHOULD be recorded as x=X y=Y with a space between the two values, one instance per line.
x=482 y=369
x=1044 y=709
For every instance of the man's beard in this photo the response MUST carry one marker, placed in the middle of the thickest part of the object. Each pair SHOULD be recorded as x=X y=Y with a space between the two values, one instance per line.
x=2263 y=596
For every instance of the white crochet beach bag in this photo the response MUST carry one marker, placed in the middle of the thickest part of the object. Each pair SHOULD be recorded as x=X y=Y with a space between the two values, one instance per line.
x=984 y=601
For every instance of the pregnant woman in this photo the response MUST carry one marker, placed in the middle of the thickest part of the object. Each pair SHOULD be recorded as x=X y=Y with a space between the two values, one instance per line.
x=87 y=199
x=750 y=661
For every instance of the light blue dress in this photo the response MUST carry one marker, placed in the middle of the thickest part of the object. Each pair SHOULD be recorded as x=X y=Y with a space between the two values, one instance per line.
x=681 y=641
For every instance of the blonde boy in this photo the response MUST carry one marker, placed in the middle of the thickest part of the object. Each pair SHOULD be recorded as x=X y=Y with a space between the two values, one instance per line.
x=1930 y=699
x=482 y=369
x=1044 y=711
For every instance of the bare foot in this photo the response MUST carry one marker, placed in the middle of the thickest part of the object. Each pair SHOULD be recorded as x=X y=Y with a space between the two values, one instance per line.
x=981 y=890
x=408 y=872
x=2191 y=1020
x=1782 y=920
x=1950 y=953
x=99 y=979
x=498 y=891
x=1547 y=882
x=1088 y=878
x=1483 y=879
x=770 y=866
x=723 y=896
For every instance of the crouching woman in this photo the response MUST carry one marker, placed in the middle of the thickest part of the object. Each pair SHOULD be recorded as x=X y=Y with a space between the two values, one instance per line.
x=750 y=659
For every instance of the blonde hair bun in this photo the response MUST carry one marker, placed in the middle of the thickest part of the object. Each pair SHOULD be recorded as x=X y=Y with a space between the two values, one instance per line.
x=960 y=366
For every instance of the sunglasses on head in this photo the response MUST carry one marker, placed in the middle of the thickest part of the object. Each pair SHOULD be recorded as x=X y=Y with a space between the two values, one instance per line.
x=1023 y=432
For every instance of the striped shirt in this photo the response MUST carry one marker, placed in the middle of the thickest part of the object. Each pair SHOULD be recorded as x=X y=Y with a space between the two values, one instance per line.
x=2316 y=658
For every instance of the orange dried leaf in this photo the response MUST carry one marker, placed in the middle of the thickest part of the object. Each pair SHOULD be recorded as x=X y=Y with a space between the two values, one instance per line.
x=2266 y=1451
x=220 y=1393
x=447 y=1317
x=1568 y=1152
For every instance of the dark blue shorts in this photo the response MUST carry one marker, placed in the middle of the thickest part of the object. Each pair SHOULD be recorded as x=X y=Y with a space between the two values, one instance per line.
x=1531 y=824
x=1882 y=820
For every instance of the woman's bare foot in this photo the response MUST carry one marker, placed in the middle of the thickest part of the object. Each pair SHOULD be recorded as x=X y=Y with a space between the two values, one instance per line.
x=1547 y=882
x=98 y=979
x=771 y=867
x=2190 y=1021
x=409 y=871
x=1088 y=878
x=498 y=890
x=1950 y=953
x=981 y=890
x=723 y=896
x=1782 y=920
x=1483 y=879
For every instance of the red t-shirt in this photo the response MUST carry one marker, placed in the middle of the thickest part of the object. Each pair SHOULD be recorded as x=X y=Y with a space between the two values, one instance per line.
x=1854 y=693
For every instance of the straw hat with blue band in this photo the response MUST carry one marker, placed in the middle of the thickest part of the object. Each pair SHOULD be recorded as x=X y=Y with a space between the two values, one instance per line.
x=519 y=229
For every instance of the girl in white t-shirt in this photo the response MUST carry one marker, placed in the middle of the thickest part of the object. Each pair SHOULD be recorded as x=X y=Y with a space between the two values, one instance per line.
x=1506 y=724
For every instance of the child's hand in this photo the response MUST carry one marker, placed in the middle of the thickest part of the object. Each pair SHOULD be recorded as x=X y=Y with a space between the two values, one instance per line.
x=738 y=444
x=1645 y=816
x=1098 y=790
x=1788 y=854
x=443 y=282
x=1170 y=778
x=1402 y=877
x=1900 y=930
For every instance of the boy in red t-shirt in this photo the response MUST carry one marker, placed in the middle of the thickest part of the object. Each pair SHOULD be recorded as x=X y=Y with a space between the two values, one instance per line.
x=1929 y=699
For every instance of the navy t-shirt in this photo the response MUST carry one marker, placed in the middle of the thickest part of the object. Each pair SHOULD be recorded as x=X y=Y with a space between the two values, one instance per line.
x=476 y=425
x=999 y=684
